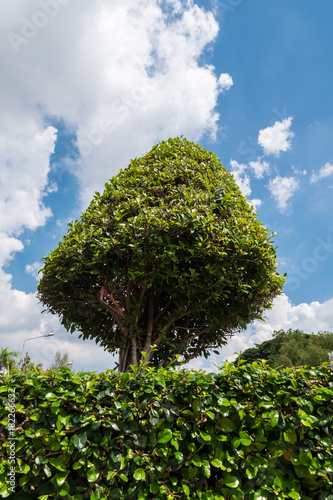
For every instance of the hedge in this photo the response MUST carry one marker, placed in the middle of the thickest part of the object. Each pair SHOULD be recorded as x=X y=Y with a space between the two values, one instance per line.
x=246 y=432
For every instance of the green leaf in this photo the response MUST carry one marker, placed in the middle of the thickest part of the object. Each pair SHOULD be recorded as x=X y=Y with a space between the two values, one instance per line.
x=58 y=464
x=154 y=488
x=290 y=436
x=205 y=436
x=125 y=378
x=274 y=419
x=226 y=424
x=153 y=417
x=217 y=463
x=23 y=468
x=47 y=470
x=196 y=460
x=175 y=444
x=206 y=469
x=164 y=436
x=294 y=495
x=111 y=474
x=78 y=465
x=179 y=456
x=80 y=440
x=231 y=481
x=223 y=402
x=95 y=496
x=139 y=474
x=245 y=439
x=327 y=442
x=42 y=432
x=51 y=396
x=60 y=477
x=259 y=495
x=192 y=472
x=92 y=474
x=186 y=490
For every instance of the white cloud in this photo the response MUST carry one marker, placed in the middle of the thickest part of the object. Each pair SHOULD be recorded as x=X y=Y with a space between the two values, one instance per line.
x=24 y=160
x=8 y=246
x=123 y=75
x=260 y=168
x=325 y=171
x=276 y=138
x=83 y=355
x=238 y=171
x=282 y=189
x=225 y=81
x=256 y=203
x=33 y=269
x=299 y=172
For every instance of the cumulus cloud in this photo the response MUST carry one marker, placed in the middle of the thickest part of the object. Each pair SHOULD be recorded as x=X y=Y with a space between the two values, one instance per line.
x=225 y=81
x=8 y=247
x=82 y=355
x=325 y=171
x=33 y=269
x=122 y=75
x=24 y=160
x=259 y=167
x=282 y=190
x=277 y=138
x=238 y=171
x=256 y=203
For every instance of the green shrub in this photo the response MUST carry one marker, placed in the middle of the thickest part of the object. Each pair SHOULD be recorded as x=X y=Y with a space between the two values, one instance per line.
x=247 y=432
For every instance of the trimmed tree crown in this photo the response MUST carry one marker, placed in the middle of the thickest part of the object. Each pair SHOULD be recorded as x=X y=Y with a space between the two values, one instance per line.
x=171 y=255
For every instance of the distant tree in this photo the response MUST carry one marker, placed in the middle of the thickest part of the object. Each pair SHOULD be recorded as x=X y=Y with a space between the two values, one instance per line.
x=171 y=255
x=29 y=365
x=7 y=358
x=292 y=348
x=59 y=361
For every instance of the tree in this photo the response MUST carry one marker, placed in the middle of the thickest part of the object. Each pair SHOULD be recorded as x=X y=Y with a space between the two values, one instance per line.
x=171 y=255
x=292 y=348
x=59 y=361
x=7 y=358
x=29 y=366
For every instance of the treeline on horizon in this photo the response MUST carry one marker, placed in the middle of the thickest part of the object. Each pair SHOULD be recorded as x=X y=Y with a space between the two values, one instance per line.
x=291 y=348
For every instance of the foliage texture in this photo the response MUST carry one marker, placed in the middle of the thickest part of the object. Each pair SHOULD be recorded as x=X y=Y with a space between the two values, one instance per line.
x=292 y=348
x=247 y=433
x=7 y=358
x=170 y=255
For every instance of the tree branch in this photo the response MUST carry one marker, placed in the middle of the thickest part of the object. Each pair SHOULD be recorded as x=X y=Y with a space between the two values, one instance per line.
x=150 y=323
x=163 y=310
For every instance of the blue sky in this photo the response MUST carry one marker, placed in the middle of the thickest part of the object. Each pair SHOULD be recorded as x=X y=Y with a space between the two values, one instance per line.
x=86 y=86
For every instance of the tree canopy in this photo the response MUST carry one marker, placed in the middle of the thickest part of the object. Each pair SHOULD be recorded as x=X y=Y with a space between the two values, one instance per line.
x=171 y=255
x=7 y=358
x=59 y=361
x=292 y=348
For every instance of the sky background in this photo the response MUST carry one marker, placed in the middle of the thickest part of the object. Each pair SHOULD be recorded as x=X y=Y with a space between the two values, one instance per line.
x=88 y=85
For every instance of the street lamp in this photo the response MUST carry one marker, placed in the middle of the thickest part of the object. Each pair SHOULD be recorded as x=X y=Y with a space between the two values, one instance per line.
x=38 y=337
x=330 y=359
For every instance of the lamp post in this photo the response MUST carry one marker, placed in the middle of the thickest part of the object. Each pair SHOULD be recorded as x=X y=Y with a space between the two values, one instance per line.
x=330 y=359
x=32 y=338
